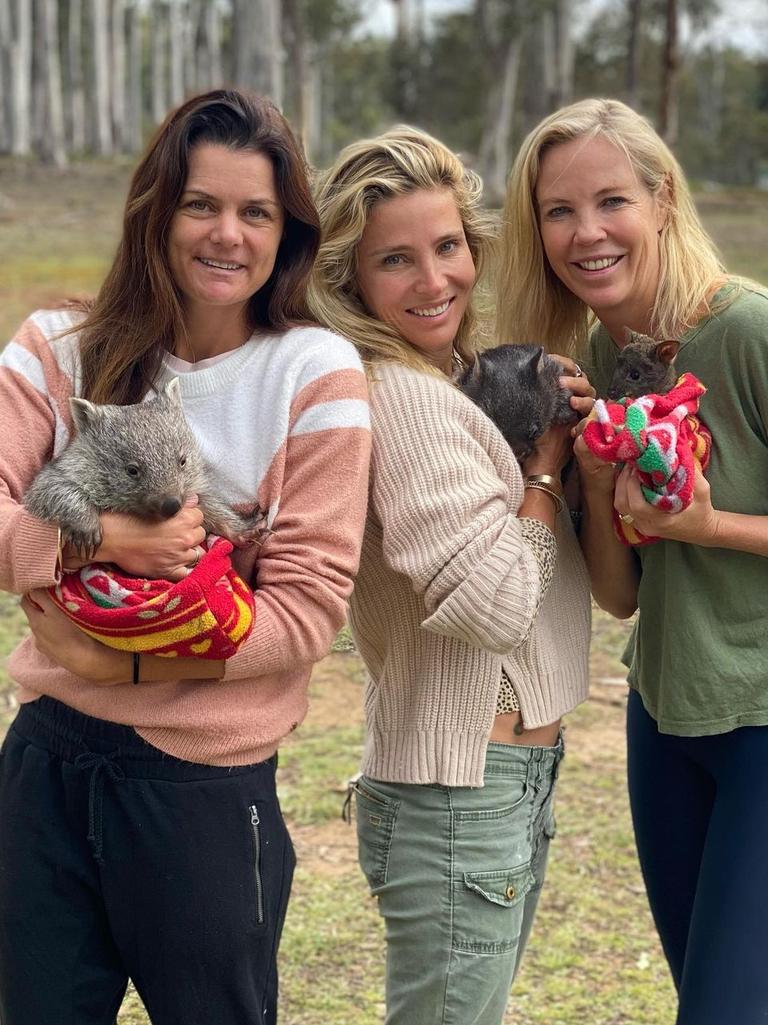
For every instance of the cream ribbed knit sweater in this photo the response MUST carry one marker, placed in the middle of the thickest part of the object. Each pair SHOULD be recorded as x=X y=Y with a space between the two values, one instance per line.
x=447 y=589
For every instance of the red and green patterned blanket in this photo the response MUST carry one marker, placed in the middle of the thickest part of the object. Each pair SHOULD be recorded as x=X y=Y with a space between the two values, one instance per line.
x=662 y=437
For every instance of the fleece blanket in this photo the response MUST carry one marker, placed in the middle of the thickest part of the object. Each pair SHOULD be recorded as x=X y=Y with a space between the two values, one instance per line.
x=660 y=435
x=208 y=614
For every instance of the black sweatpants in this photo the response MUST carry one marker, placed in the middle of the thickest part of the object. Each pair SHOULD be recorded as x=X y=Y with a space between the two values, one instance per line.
x=118 y=861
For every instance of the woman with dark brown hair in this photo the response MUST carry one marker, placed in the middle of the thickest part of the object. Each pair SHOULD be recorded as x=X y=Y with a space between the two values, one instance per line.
x=140 y=832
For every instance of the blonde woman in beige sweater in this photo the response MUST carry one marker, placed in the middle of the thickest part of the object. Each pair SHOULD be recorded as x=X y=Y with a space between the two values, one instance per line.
x=471 y=608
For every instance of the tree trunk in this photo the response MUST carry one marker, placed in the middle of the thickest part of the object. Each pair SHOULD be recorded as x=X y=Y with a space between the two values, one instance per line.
x=213 y=45
x=76 y=97
x=119 y=79
x=21 y=78
x=176 y=31
x=495 y=148
x=54 y=148
x=633 y=54
x=134 y=104
x=297 y=58
x=6 y=105
x=159 y=51
x=670 y=75
x=243 y=31
x=101 y=83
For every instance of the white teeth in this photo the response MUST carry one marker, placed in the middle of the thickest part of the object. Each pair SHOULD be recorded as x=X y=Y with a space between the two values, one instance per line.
x=219 y=265
x=432 y=311
x=607 y=261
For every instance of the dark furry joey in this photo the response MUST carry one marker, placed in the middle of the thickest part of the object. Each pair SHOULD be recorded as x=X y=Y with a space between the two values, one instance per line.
x=643 y=366
x=518 y=387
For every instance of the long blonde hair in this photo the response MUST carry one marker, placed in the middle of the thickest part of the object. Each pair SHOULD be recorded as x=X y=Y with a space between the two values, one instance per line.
x=400 y=161
x=532 y=302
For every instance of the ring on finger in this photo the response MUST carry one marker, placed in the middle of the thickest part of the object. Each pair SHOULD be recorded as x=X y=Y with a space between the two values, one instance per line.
x=577 y=371
x=198 y=555
x=627 y=518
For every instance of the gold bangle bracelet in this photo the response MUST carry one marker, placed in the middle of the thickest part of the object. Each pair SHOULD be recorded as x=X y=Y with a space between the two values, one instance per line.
x=538 y=485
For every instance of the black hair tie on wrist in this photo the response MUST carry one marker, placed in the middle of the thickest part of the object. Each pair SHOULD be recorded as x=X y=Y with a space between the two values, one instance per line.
x=136 y=665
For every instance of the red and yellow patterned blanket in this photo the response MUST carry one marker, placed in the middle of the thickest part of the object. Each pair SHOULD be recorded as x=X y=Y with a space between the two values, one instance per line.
x=208 y=614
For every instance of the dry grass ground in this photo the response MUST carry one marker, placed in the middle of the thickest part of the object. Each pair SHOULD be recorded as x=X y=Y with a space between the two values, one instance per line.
x=594 y=956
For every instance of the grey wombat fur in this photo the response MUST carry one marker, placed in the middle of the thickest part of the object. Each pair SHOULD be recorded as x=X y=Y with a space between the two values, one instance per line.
x=518 y=387
x=141 y=459
x=643 y=366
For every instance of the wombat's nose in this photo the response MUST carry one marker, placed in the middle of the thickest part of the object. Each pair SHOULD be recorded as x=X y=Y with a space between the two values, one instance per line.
x=169 y=507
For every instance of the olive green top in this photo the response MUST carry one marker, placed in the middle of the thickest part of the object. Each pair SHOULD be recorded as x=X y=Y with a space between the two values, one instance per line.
x=699 y=652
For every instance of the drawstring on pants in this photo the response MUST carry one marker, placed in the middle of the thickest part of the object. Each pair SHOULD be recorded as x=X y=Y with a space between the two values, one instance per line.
x=98 y=764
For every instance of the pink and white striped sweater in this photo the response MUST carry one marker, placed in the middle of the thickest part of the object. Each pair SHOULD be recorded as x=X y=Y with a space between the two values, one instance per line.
x=283 y=420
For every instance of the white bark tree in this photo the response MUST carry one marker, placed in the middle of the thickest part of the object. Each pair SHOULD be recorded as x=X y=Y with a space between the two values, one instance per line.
x=119 y=83
x=159 y=30
x=100 y=84
x=21 y=77
x=53 y=143
x=6 y=108
x=134 y=103
x=75 y=76
x=502 y=31
x=176 y=36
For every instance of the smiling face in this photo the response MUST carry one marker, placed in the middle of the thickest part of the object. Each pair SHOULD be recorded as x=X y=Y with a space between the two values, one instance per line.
x=415 y=271
x=600 y=230
x=226 y=230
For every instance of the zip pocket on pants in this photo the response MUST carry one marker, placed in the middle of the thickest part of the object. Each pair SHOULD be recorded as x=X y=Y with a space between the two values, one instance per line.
x=258 y=885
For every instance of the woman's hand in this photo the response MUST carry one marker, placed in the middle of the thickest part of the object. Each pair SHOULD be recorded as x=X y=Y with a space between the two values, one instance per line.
x=551 y=452
x=166 y=550
x=595 y=475
x=698 y=524
x=66 y=645
x=576 y=381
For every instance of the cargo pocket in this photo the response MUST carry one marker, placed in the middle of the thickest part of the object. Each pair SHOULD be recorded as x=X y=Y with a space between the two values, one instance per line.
x=488 y=909
x=376 y=817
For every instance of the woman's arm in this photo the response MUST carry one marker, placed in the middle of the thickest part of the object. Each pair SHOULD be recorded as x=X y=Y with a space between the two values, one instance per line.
x=699 y=524
x=68 y=646
x=614 y=570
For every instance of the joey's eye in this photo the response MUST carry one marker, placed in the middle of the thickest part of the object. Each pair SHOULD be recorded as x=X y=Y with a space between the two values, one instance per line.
x=182 y=460
x=132 y=470
x=634 y=375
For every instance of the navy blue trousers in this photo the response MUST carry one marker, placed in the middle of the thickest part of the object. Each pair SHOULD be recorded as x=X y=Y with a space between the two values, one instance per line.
x=700 y=812
x=118 y=861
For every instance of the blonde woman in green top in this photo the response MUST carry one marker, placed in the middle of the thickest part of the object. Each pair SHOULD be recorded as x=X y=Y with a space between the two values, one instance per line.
x=601 y=233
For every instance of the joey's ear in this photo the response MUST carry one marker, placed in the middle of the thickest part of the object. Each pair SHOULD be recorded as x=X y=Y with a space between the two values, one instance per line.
x=665 y=352
x=84 y=414
x=172 y=392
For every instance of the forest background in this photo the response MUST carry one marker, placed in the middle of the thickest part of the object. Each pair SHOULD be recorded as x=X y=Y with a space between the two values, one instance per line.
x=83 y=83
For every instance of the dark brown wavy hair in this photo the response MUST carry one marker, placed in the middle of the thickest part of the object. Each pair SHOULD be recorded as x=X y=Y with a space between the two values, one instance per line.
x=138 y=310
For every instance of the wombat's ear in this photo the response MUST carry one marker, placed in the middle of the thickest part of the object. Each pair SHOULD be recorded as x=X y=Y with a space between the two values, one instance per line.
x=475 y=375
x=84 y=414
x=537 y=360
x=172 y=391
x=665 y=352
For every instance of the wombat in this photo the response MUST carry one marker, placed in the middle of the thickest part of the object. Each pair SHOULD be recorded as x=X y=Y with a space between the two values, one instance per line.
x=141 y=459
x=643 y=366
x=518 y=387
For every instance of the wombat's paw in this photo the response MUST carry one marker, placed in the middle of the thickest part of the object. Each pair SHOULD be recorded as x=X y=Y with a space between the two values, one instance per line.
x=254 y=529
x=565 y=413
x=84 y=541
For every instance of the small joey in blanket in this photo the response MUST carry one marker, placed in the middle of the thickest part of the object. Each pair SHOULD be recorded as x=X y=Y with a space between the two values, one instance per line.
x=644 y=366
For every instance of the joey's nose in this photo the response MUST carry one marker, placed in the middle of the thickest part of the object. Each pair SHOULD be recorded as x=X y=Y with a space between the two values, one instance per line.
x=169 y=507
